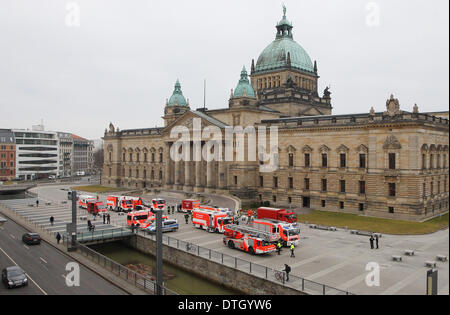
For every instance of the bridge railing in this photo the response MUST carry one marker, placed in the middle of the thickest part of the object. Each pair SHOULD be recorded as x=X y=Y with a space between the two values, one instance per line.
x=271 y=274
x=138 y=280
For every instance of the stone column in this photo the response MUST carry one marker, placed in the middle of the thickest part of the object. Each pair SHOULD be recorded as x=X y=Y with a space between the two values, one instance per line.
x=177 y=174
x=198 y=176
x=188 y=172
x=167 y=167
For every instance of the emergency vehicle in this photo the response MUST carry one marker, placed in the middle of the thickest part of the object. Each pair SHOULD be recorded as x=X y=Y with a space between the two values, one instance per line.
x=151 y=218
x=276 y=214
x=96 y=207
x=84 y=199
x=158 y=204
x=121 y=203
x=138 y=217
x=212 y=221
x=288 y=233
x=248 y=239
x=224 y=210
x=189 y=205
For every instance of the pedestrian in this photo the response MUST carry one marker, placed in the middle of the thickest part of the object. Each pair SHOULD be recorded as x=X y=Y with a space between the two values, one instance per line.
x=287 y=270
x=371 y=241
x=95 y=216
x=37 y=202
x=52 y=220
x=104 y=218
x=279 y=246
x=186 y=217
x=109 y=218
x=58 y=238
x=376 y=241
x=292 y=250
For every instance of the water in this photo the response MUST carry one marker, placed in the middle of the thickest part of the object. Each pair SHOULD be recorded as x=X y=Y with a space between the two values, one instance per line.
x=183 y=283
x=13 y=196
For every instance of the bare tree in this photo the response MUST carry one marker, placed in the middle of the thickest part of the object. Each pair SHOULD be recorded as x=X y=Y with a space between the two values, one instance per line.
x=98 y=159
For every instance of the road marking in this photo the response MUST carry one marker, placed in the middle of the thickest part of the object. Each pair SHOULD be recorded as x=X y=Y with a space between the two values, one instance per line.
x=12 y=236
x=45 y=293
x=26 y=247
x=43 y=260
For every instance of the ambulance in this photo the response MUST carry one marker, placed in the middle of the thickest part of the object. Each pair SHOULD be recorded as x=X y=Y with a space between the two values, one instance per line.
x=138 y=218
x=121 y=203
x=158 y=204
x=84 y=199
x=211 y=221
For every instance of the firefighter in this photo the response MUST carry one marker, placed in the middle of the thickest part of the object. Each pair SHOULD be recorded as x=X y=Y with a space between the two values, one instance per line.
x=279 y=246
x=186 y=217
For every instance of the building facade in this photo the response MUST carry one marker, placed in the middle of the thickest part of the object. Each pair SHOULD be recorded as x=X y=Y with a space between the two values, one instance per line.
x=37 y=153
x=83 y=155
x=65 y=154
x=7 y=155
x=390 y=164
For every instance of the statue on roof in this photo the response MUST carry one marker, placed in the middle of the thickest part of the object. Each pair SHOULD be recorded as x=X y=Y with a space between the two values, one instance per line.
x=284 y=10
x=326 y=92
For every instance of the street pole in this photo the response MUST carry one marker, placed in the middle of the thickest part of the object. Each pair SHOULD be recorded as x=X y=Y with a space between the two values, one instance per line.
x=72 y=228
x=159 y=261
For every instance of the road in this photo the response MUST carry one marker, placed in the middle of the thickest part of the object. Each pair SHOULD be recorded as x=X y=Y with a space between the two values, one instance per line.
x=338 y=259
x=46 y=268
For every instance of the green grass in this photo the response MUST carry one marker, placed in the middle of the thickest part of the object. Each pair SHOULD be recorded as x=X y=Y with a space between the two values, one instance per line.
x=385 y=226
x=95 y=189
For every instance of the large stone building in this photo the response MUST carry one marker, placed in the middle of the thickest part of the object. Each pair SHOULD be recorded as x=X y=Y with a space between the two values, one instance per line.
x=388 y=164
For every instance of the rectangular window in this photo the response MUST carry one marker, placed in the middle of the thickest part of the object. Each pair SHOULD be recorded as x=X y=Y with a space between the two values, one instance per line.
x=343 y=160
x=362 y=161
x=274 y=198
x=324 y=203
x=235 y=180
x=424 y=161
x=424 y=190
x=392 y=161
x=261 y=181
x=439 y=187
x=145 y=157
x=324 y=185
x=342 y=186
x=341 y=205
x=291 y=160
x=324 y=160
x=361 y=207
x=131 y=157
x=306 y=184
x=362 y=187
x=391 y=210
x=291 y=183
x=160 y=158
x=275 y=182
x=432 y=189
x=392 y=190
x=307 y=160
x=289 y=200
x=160 y=175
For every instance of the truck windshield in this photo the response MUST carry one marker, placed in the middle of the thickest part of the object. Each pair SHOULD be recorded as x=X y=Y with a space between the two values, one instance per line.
x=160 y=202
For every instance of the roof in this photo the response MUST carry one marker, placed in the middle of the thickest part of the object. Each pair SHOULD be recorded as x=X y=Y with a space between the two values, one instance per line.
x=177 y=98
x=78 y=137
x=244 y=88
x=7 y=136
x=210 y=119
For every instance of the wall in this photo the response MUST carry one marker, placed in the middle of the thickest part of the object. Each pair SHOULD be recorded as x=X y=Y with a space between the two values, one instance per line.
x=210 y=270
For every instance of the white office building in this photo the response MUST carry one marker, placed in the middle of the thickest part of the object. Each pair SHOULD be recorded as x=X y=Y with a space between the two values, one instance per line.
x=37 y=153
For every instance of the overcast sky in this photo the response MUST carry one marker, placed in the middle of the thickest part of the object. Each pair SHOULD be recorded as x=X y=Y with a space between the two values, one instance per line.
x=122 y=60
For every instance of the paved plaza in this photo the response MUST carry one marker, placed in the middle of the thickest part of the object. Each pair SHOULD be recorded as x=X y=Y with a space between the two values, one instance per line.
x=337 y=259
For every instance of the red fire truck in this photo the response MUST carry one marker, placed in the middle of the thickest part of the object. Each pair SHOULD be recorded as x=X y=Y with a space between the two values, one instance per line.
x=286 y=232
x=276 y=214
x=96 y=207
x=138 y=217
x=158 y=204
x=248 y=239
x=212 y=221
x=122 y=203
x=189 y=205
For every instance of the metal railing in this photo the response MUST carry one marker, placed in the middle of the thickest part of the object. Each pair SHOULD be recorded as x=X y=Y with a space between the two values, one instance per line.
x=270 y=274
x=138 y=280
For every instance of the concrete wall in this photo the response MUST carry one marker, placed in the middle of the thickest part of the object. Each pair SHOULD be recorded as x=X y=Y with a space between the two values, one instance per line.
x=223 y=275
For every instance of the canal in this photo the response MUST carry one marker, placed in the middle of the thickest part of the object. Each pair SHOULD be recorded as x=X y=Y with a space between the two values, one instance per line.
x=176 y=280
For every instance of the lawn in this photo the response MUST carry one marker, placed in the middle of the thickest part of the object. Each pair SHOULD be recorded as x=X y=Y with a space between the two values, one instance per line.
x=95 y=189
x=385 y=226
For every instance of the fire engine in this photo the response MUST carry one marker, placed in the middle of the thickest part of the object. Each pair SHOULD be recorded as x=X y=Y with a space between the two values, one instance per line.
x=288 y=233
x=212 y=221
x=189 y=205
x=223 y=210
x=138 y=217
x=122 y=203
x=84 y=199
x=276 y=214
x=96 y=207
x=248 y=239
x=158 y=204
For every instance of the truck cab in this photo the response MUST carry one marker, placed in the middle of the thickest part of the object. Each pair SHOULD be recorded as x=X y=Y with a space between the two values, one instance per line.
x=96 y=207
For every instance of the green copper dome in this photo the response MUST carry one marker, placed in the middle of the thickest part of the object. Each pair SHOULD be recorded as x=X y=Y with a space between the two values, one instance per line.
x=244 y=88
x=275 y=56
x=177 y=98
